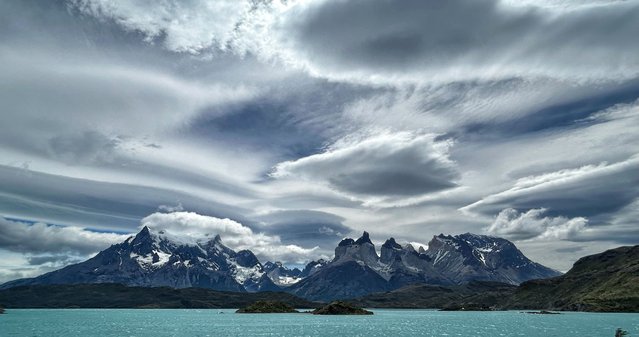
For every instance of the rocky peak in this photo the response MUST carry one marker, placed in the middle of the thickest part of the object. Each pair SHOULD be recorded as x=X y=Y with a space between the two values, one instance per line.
x=361 y=250
x=470 y=256
x=364 y=239
x=312 y=267
x=246 y=258
x=346 y=242
x=142 y=243
x=268 y=266
x=391 y=244
x=390 y=251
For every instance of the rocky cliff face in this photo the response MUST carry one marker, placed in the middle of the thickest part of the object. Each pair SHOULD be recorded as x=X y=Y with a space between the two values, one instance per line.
x=162 y=259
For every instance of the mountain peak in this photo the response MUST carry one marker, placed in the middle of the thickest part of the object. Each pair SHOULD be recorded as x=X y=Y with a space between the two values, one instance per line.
x=392 y=244
x=364 y=239
x=143 y=232
x=346 y=242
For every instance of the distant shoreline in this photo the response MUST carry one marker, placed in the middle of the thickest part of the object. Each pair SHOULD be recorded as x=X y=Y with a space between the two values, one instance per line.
x=115 y=296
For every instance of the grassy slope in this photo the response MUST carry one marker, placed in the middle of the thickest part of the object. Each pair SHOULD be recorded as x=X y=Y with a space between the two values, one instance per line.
x=608 y=281
x=432 y=296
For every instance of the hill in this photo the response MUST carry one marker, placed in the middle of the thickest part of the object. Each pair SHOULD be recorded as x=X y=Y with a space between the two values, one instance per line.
x=608 y=281
x=423 y=296
x=119 y=296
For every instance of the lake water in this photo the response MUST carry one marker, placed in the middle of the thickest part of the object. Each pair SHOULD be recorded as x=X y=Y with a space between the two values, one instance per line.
x=183 y=322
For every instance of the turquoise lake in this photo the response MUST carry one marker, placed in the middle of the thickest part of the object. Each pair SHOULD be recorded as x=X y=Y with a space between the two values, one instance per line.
x=183 y=322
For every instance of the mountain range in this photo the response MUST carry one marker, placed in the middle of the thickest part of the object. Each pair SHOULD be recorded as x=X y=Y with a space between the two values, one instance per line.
x=604 y=282
x=163 y=259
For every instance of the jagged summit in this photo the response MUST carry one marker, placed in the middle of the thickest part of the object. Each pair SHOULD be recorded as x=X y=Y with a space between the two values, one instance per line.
x=392 y=244
x=448 y=260
x=468 y=256
x=364 y=239
x=162 y=258
x=346 y=242
x=282 y=275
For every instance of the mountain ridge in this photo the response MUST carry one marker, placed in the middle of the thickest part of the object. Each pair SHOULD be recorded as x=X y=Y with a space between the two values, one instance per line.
x=449 y=260
x=160 y=258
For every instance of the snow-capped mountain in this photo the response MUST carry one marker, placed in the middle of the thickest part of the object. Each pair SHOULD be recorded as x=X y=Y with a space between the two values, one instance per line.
x=161 y=258
x=282 y=275
x=357 y=270
x=164 y=259
x=467 y=257
x=313 y=267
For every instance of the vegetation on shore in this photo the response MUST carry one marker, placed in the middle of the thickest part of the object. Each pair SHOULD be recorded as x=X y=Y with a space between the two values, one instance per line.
x=119 y=296
x=605 y=282
x=340 y=308
x=266 y=307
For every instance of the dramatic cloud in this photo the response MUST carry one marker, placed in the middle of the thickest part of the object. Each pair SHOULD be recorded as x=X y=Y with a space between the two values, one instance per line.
x=584 y=191
x=532 y=224
x=385 y=165
x=305 y=121
x=42 y=238
x=186 y=26
x=378 y=40
x=306 y=228
x=233 y=234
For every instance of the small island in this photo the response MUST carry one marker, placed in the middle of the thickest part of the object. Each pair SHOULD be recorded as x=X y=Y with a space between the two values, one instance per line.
x=1 y=310
x=340 y=308
x=466 y=307
x=267 y=307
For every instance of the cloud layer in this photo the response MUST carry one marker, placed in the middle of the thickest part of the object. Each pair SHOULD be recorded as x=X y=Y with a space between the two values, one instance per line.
x=41 y=238
x=376 y=40
x=233 y=234
x=532 y=224
x=304 y=121
x=384 y=165
x=587 y=190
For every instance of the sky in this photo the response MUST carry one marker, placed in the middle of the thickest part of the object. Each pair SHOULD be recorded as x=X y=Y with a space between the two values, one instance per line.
x=286 y=125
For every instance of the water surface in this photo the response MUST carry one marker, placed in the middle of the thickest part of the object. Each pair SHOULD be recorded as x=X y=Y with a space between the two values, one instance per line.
x=184 y=322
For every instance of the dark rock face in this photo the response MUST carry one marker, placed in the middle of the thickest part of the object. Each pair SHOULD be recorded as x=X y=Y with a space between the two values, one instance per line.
x=160 y=259
x=267 y=307
x=364 y=239
x=340 y=308
x=390 y=251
